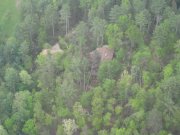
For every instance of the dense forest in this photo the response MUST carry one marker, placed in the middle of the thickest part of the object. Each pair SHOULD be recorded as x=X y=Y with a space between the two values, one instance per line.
x=90 y=67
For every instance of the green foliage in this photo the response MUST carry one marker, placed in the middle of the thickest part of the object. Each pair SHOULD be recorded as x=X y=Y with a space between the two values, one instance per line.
x=168 y=71
x=69 y=126
x=86 y=98
x=134 y=35
x=143 y=20
x=124 y=86
x=115 y=13
x=137 y=92
x=157 y=6
x=107 y=119
x=113 y=35
x=65 y=15
x=79 y=114
x=98 y=30
x=63 y=112
x=9 y=16
x=25 y=77
x=29 y=127
x=154 y=122
x=11 y=78
x=60 y=130
x=97 y=108
x=81 y=32
x=142 y=57
x=3 y=131
x=51 y=18
x=109 y=70
x=124 y=22
x=22 y=106
x=118 y=110
x=102 y=132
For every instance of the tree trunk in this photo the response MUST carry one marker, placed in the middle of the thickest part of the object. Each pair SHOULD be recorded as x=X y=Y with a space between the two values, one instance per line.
x=66 y=26
x=174 y=5
x=84 y=81
x=53 y=27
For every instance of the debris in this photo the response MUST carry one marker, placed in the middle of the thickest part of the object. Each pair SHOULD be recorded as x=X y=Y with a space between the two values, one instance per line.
x=54 y=49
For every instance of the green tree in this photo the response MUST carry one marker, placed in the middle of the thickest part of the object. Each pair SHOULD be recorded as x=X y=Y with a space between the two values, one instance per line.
x=46 y=71
x=124 y=87
x=22 y=105
x=67 y=91
x=10 y=51
x=29 y=127
x=109 y=87
x=25 y=77
x=143 y=20
x=97 y=108
x=138 y=5
x=107 y=119
x=21 y=111
x=81 y=34
x=51 y=18
x=28 y=7
x=115 y=13
x=154 y=122
x=3 y=131
x=11 y=79
x=85 y=5
x=69 y=126
x=60 y=130
x=124 y=22
x=168 y=71
x=6 y=99
x=24 y=52
x=113 y=36
x=164 y=38
x=134 y=35
x=98 y=30
x=109 y=70
x=65 y=16
x=27 y=30
x=102 y=132
x=125 y=7
x=157 y=7
x=85 y=98
x=79 y=114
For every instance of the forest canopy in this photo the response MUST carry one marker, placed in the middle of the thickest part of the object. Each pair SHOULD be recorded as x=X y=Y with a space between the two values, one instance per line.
x=90 y=67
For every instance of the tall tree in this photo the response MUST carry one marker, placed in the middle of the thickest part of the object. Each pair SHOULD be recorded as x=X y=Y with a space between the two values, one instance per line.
x=98 y=30
x=11 y=78
x=65 y=16
x=51 y=18
x=157 y=7
x=3 y=131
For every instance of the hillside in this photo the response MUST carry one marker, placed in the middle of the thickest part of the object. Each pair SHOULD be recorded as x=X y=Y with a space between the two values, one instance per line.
x=90 y=67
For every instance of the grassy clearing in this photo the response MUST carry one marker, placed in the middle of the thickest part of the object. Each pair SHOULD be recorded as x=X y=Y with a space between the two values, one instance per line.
x=9 y=16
